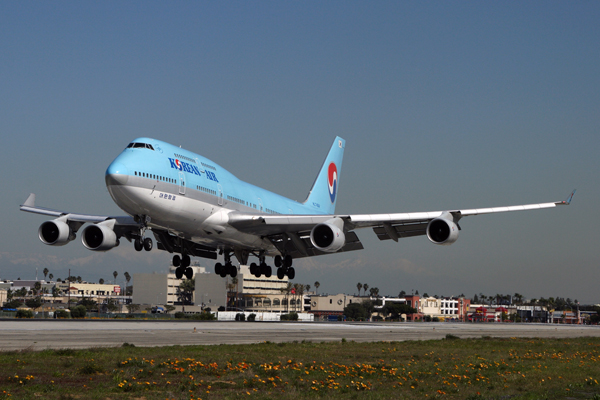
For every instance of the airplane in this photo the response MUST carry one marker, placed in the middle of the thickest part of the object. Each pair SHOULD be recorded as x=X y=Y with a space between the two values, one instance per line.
x=196 y=208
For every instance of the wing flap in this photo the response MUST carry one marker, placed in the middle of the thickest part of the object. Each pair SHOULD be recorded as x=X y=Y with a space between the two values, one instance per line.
x=301 y=246
x=408 y=229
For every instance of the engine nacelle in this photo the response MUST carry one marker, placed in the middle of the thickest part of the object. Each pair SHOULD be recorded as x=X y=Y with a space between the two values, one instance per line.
x=329 y=236
x=442 y=231
x=99 y=237
x=55 y=233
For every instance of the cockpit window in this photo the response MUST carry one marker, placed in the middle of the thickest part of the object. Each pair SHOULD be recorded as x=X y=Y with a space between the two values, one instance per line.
x=140 y=145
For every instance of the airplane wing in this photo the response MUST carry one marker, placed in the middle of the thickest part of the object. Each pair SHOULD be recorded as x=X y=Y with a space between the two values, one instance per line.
x=291 y=234
x=124 y=225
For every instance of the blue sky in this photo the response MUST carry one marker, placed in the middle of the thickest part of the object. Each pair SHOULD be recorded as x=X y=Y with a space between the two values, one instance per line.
x=444 y=105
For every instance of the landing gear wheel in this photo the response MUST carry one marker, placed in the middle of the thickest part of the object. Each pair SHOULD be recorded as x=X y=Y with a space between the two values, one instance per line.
x=291 y=273
x=179 y=273
x=147 y=244
x=268 y=272
x=287 y=261
x=253 y=268
x=225 y=270
x=218 y=268
x=233 y=271
x=277 y=261
x=189 y=273
x=137 y=244
x=185 y=261
x=263 y=269
x=176 y=260
x=280 y=273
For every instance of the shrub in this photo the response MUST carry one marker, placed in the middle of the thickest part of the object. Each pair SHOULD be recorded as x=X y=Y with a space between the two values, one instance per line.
x=36 y=302
x=203 y=316
x=13 y=304
x=240 y=317
x=252 y=317
x=24 y=314
x=78 y=312
x=179 y=314
x=62 y=314
x=289 y=317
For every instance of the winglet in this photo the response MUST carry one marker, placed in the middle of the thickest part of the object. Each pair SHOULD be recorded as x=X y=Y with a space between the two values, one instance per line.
x=30 y=202
x=568 y=200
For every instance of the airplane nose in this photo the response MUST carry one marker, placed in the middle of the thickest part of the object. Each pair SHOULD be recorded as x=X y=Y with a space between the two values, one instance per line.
x=116 y=174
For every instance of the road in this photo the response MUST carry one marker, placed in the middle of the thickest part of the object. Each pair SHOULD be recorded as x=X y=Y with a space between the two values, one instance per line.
x=55 y=334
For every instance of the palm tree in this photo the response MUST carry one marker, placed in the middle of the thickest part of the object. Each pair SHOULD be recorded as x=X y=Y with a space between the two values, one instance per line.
x=307 y=287
x=359 y=287
x=45 y=272
x=231 y=291
x=300 y=293
x=127 y=276
x=115 y=274
x=234 y=283
x=365 y=287
x=185 y=291
x=101 y=281
x=50 y=277
x=286 y=291
x=317 y=284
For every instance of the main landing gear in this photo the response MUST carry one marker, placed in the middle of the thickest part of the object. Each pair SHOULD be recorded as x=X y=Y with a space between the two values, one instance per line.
x=283 y=264
x=227 y=269
x=183 y=266
x=284 y=268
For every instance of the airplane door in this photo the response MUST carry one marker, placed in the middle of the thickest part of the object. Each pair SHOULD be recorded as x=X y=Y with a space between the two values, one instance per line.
x=181 y=183
x=220 y=195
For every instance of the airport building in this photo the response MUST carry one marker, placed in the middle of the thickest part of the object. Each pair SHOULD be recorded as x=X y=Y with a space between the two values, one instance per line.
x=445 y=308
x=330 y=306
x=163 y=289
x=265 y=294
x=244 y=292
x=89 y=289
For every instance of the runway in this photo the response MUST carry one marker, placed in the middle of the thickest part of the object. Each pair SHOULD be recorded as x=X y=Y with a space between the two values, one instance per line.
x=57 y=334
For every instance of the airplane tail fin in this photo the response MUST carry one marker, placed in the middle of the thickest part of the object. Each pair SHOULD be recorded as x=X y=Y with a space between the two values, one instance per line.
x=323 y=195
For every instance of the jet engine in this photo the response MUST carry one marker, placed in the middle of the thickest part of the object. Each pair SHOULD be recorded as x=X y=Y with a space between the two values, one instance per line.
x=56 y=233
x=100 y=237
x=442 y=231
x=328 y=236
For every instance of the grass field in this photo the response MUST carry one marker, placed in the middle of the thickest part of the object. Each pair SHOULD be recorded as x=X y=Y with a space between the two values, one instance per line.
x=453 y=368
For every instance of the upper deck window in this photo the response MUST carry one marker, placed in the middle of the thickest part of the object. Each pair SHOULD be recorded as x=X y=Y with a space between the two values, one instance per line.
x=140 y=145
